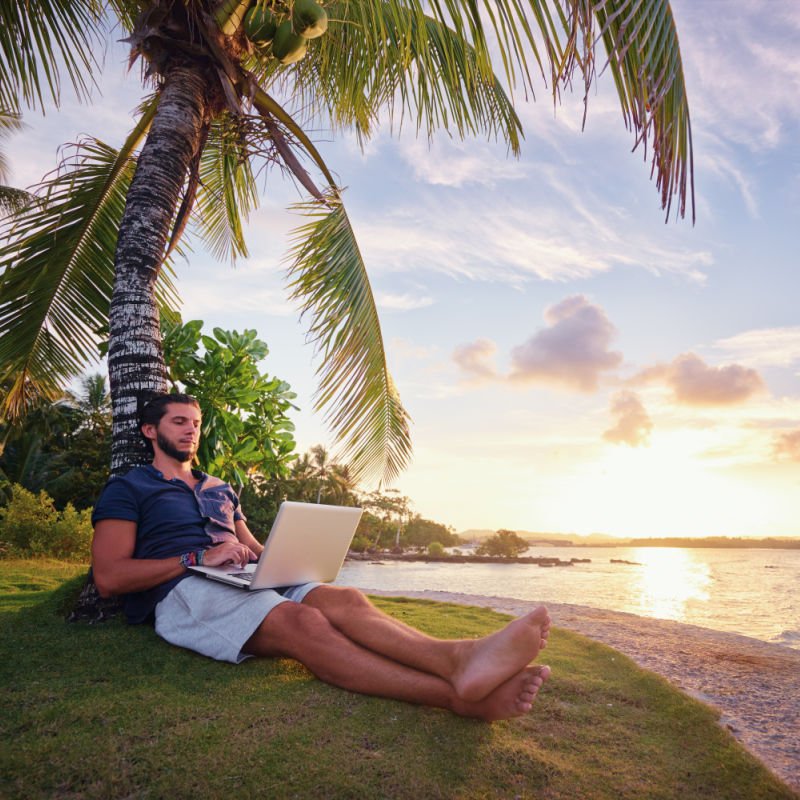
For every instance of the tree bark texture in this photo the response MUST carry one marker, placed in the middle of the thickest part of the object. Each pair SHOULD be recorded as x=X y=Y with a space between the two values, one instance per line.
x=135 y=357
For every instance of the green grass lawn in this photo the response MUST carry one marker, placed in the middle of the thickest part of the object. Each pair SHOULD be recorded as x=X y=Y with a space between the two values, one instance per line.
x=111 y=711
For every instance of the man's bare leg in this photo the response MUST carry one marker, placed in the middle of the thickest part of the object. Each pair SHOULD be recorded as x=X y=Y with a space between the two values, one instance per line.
x=474 y=667
x=303 y=633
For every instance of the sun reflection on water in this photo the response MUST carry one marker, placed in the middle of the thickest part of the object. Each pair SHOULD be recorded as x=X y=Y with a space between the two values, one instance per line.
x=669 y=580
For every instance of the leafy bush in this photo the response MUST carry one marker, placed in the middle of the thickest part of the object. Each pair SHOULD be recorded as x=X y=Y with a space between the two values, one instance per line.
x=246 y=430
x=30 y=525
x=360 y=544
x=436 y=549
x=71 y=536
x=505 y=543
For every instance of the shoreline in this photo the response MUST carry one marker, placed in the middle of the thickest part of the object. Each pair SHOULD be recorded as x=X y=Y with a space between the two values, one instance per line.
x=753 y=684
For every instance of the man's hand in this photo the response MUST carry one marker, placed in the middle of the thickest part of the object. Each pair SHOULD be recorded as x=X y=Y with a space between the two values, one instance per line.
x=233 y=554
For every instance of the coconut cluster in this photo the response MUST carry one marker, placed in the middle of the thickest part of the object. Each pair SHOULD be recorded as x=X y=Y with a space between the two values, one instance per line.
x=288 y=31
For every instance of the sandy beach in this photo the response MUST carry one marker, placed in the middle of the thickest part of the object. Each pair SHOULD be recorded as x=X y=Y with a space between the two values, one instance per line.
x=753 y=684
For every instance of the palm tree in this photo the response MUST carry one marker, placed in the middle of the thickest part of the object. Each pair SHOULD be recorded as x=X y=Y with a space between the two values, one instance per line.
x=11 y=200
x=93 y=403
x=333 y=481
x=96 y=250
x=61 y=447
x=322 y=468
x=341 y=486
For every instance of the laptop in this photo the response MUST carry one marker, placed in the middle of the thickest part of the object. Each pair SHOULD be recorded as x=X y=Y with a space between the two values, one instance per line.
x=307 y=542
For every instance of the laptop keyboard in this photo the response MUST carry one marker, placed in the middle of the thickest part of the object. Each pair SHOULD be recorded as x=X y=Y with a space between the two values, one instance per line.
x=245 y=576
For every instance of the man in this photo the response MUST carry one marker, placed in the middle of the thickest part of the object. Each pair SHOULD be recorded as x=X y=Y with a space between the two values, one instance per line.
x=154 y=522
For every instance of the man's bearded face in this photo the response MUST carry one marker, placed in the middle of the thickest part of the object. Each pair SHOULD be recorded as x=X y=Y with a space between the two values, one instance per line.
x=183 y=451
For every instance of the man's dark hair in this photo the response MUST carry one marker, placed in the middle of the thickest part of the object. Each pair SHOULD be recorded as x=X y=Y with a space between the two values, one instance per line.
x=155 y=408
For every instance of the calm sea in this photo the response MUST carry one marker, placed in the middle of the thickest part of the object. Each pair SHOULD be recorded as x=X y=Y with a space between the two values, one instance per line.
x=752 y=592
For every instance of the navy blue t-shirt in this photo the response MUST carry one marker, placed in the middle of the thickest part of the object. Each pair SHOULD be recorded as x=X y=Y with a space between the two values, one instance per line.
x=171 y=518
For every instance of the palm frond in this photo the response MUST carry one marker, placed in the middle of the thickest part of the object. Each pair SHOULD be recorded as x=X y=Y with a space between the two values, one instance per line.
x=433 y=64
x=227 y=191
x=644 y=59
x=278 y=120
x=12 y=200
x=362 y=406
x=9 y=122
x=58 y=267
x=410 y=63
x=42 y=39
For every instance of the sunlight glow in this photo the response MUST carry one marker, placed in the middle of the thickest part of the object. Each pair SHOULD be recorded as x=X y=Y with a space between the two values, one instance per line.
x=669 y=580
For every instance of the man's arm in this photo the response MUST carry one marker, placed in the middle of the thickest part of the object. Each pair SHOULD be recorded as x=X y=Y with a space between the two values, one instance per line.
x=116 y=571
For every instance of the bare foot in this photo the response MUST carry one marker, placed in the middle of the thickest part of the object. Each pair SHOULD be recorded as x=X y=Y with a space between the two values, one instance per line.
x=485 y=664
x=511 y=699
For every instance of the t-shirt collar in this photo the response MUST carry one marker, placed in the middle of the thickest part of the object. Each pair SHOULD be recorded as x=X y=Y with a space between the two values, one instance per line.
x=199 y=474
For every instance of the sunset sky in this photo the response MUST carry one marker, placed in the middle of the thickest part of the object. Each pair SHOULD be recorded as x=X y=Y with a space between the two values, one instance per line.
x=571 y=362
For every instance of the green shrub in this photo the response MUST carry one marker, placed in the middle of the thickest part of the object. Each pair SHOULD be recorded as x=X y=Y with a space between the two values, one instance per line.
x=505 y=543
x=24 y=519
x=71 y=536
x=360 y=544
x=30 y=525
x=436 y=549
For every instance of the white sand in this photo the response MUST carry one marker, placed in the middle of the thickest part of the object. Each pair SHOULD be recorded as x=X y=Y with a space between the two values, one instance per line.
x=753 y=684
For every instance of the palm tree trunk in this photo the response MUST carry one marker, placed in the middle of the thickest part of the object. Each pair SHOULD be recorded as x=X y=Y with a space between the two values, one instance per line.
x=135 y=357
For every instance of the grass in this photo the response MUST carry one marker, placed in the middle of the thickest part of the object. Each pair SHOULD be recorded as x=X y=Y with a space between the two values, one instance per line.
x=110 y=711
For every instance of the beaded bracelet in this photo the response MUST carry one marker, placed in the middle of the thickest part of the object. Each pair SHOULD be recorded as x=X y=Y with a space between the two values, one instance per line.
x=194 y=558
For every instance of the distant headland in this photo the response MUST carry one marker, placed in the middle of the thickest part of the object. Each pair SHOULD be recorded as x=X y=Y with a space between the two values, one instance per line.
x=603 y=540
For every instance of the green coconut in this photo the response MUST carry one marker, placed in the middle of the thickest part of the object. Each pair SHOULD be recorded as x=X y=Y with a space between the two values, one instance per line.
x=287 y=46
x=309 y=19
x=260 y=24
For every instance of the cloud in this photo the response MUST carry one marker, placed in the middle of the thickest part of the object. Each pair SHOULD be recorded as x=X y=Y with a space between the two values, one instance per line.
x=633 y=424
x=696 y=383
x=446 y=162
x=572 y=350
x=749 y=54
x=775 y=347
x=787 y=445
x=402 y=302
x=557 y=230
x=727 y=170
x=475 y=360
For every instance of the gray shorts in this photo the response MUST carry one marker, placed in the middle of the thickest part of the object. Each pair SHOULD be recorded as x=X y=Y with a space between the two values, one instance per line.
x=217 y=620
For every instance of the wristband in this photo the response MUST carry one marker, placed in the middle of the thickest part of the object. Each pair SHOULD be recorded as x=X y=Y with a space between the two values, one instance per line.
x=192 y=559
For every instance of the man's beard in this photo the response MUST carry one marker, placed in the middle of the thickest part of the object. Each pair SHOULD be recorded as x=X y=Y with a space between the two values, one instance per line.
x=172 y=450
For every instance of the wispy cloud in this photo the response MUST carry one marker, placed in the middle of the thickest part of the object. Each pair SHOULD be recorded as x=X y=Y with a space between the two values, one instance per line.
x=717 y=159
x=764 y=346
x=402 y=302
x=633 y=423
x=448 y=162
x=787 y=445
x=515 y=239
x=204 y=298
x=476 y=360
x=742 y=71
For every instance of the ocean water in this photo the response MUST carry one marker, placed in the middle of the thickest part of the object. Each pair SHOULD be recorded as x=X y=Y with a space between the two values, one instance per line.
x=752 y=592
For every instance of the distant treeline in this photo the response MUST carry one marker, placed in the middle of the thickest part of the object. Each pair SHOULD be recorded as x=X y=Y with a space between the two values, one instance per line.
x=715 y=541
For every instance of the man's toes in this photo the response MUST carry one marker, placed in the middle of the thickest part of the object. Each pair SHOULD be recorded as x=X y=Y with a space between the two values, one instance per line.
x=527 y=697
